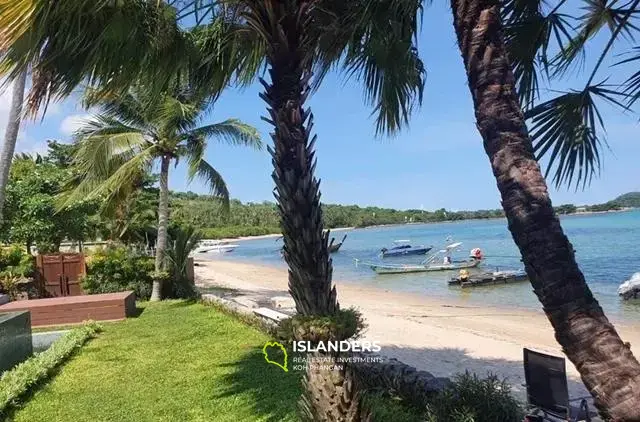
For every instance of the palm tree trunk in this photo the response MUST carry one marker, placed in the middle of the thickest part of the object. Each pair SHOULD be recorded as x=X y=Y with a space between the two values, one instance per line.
x=283 y=24
x=297 y=190
x=163 y=221
x=11 y=134
x=607 y=366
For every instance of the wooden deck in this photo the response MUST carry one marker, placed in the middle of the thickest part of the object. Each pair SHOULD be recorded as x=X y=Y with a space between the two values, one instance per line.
x=75 y=309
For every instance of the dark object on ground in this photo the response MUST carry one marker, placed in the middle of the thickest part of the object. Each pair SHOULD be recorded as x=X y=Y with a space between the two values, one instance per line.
x=547 y=391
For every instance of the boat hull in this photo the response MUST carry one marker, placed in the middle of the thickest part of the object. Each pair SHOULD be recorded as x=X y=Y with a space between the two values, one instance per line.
x=405 y=252
x=402 y=269
x=215 y=249
x=490 y=279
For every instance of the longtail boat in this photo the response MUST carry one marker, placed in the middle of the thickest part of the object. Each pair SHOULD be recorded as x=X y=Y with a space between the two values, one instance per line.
x=336 y=247
x=465 y=280
x=430 y=263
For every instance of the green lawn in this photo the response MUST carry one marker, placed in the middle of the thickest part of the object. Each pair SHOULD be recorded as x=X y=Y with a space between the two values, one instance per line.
x=175 y=362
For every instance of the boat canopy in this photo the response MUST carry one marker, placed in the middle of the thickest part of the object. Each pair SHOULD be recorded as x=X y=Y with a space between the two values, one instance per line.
x=401 y=241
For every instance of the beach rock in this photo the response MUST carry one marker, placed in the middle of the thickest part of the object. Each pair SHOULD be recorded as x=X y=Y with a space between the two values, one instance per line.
x=245 y=301
x=283 y=302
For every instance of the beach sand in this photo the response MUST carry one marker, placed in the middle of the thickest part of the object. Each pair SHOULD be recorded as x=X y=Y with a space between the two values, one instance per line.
x=442 y=337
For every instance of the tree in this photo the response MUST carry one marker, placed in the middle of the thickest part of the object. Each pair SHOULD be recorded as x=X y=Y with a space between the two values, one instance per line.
x=30 y=205
x=11 y=134
x=134 y=130
x=606 y=364
x=296 y=37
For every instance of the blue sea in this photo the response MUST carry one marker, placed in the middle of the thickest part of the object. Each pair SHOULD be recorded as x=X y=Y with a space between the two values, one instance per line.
x=607 y=249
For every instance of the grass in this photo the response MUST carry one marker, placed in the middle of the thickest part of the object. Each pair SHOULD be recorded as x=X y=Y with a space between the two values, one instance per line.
x=177 y=361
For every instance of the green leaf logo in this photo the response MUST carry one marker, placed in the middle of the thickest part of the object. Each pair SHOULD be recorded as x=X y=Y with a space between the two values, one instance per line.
x=268 y=349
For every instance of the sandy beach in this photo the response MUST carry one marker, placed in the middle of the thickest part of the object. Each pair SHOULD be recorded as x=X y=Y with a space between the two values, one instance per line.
x=442 y=337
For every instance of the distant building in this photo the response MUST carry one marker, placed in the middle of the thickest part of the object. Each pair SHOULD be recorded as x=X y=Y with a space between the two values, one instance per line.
x=581 y=209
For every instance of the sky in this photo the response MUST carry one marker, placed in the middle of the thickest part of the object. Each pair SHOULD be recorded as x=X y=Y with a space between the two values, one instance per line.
x=438 y=162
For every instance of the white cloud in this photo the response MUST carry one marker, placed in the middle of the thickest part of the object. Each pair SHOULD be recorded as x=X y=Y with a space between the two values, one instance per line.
x=72 y=123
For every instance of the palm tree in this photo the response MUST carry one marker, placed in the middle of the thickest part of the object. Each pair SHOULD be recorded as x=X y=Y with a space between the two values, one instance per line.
x=606 y=364
x=135 y=130
x=298 y=37
x=11 y=133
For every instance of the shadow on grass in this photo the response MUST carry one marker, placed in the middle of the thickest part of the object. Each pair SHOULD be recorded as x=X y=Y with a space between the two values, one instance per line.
x=137 y=312
x=272 y=393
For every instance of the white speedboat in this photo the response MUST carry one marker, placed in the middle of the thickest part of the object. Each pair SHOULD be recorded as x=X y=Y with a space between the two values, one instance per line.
x=214 y=246
x=630 y=289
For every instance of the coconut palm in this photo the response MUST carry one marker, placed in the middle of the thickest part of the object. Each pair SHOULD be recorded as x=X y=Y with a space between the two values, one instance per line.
x=11 y=133
x=376 y=42
x=134 y=131
x=502 y=66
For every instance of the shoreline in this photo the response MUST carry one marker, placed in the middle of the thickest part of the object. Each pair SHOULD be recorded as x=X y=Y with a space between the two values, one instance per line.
x=441 y=336
x=337 y=229
x=272 y=235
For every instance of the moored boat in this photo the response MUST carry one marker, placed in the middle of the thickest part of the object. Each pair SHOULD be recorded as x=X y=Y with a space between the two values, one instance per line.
x=336 y=247
x=214 y=246
x=430 y=264
x=630 y=289
x=404 y=248
x=488 y=278
x=421 y=268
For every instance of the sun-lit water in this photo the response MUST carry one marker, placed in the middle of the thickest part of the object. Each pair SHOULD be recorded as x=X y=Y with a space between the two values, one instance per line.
x=607 y=249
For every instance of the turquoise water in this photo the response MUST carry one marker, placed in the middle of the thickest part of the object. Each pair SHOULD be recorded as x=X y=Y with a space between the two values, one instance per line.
x=606 y=248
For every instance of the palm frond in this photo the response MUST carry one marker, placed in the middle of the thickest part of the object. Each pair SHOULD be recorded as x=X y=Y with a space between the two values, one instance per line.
x=118 y=184
x=632 y=84
x=101 y=42
x=231 y=131
x=529 y=34
x=599 y=14
x=228 y=52
x=121 y=106
x=570 y=128
x=104 y=147
x=102 y=142
x=210 y=176
x=377 y=44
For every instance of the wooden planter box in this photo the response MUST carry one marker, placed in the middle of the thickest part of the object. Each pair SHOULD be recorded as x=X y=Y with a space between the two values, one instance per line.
x=76 y=309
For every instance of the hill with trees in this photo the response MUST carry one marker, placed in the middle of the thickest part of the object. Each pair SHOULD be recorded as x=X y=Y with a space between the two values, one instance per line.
x=249 y=219
x=630 y=199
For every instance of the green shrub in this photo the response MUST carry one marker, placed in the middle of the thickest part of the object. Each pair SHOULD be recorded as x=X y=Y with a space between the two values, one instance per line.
x=345 y=324
x=116 y=269
x=238 y=231
x=182 y=241
x=15 y=260
x=471 y=399
x=19 y=380
x=16 y=268
x=381 y=407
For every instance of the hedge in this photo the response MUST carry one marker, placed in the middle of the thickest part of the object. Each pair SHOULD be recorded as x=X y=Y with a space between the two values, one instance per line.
x=26 y=375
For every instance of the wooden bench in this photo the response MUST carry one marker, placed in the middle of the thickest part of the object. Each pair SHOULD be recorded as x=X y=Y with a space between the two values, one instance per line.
x=75 y=309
